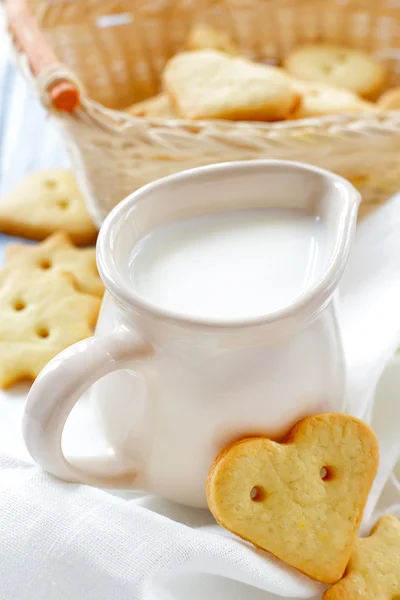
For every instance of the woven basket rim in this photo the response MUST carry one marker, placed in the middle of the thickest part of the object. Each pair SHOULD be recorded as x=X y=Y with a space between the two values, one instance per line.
x=118 y=121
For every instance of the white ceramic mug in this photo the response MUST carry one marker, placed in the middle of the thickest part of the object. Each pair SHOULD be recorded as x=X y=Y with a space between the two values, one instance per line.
x=178 y=390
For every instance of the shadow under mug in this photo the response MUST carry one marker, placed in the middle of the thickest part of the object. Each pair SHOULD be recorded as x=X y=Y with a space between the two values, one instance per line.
x=179 y=389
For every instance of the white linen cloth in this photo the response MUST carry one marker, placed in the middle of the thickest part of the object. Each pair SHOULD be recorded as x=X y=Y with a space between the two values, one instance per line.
x=62 y=541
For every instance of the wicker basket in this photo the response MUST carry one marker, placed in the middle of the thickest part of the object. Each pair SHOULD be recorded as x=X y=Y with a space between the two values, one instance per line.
x=86 y=55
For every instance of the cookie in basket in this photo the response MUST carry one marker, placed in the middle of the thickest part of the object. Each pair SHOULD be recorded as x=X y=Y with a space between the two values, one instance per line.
x=157 y=107
x=40 y=315
x=45 y=202
x=368 y=208
x=373 y=572
x=203 y=37
x=344 y=67
x=212 y=85
x=390 y=100
x=302 y=499
x=320 y=99
x=58 y=253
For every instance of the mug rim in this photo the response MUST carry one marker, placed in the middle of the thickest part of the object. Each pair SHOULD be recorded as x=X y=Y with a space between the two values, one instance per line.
x=125 y=292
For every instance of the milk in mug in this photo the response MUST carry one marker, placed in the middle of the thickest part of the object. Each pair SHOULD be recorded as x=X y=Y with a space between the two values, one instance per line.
x=233 y=265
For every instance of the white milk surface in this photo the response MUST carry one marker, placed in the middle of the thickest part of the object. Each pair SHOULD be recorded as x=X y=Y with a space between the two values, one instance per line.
x=233 y=265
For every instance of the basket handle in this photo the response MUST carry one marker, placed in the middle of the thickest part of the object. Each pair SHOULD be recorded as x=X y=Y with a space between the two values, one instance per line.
x=63 y=93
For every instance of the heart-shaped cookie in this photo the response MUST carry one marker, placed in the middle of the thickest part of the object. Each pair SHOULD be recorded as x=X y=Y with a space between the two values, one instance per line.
x=302 y=499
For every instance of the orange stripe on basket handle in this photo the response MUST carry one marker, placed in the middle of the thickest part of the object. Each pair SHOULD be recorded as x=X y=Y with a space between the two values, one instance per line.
x=64 y=95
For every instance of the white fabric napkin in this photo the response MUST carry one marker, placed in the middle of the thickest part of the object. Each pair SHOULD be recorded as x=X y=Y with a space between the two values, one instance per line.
x=65 y=541
x=61 y=541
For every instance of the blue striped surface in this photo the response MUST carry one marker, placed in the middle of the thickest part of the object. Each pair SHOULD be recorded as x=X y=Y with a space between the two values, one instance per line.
x=29 y=140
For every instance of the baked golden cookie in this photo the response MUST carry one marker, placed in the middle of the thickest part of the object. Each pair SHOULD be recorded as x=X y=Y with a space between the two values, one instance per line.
x=302 y=499
x=203 y=37
x=40 y=315
x=390 y=100
x=320 y=99
x=212 y=85
x=373 y=572
x=46 y=202
x=343 y=67
x=157 y=107
x=58 y=253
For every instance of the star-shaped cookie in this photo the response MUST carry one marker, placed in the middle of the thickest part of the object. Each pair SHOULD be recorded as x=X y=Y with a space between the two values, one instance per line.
x=373 y=572
x=40 y=315
x=59 y=254
x=46 y=202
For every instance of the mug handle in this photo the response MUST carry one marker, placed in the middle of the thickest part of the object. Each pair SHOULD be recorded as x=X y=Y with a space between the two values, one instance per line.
x=56 y=391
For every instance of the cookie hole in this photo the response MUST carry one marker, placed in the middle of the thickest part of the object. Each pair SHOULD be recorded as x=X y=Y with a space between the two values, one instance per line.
x=45 y=263
x=19 y=305
x=257 y=494
x=341 y=57
x=327 y=69
x=43 y=332
x=63 y=203
x=327 y=473
x=50 y=184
